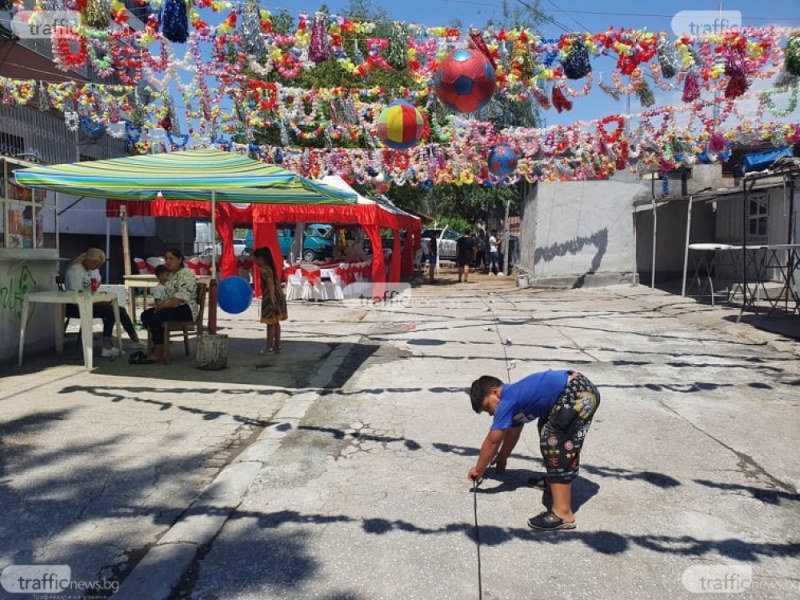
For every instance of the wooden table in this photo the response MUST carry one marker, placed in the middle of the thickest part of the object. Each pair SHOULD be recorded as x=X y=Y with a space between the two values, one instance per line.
x=85 y=301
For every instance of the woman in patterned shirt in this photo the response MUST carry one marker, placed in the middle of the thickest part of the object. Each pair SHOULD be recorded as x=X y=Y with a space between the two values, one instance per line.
x=180 y=303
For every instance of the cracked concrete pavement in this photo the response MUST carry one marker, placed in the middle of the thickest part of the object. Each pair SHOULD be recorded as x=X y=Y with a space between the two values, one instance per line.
x=338 y=468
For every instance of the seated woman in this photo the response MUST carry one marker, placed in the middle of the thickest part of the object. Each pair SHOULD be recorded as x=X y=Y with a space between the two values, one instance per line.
x=79 y=278
x=180 y=303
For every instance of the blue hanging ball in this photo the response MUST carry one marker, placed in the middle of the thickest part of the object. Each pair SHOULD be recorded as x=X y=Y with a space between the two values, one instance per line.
x=234 y=295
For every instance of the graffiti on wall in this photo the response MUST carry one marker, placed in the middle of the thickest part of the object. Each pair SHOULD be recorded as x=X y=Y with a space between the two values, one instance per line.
x=14 y=289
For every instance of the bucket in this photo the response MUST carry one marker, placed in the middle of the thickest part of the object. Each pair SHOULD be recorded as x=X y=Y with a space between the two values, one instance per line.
x=212 y=351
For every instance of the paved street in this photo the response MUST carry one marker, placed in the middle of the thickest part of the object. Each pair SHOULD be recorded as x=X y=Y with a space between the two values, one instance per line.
x=337 y=469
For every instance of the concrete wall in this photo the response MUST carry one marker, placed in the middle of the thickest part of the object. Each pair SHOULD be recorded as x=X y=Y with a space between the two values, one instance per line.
x=23 y=271
x=580 y=233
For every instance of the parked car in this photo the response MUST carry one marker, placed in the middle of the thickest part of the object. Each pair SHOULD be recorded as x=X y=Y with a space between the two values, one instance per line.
x=317 y=244
x=447 y=244
x=317 y=241
x=239 y=247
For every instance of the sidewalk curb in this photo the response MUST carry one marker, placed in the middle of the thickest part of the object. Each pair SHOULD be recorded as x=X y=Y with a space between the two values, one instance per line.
x=160 y=570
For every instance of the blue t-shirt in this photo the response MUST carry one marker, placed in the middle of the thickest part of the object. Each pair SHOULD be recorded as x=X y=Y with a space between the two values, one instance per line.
x=529 y=398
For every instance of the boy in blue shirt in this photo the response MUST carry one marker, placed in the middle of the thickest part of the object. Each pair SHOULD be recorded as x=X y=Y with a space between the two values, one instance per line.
x=565 y=403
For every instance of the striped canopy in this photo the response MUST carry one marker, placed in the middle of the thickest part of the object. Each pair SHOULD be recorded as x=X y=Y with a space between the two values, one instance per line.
x=188 y=175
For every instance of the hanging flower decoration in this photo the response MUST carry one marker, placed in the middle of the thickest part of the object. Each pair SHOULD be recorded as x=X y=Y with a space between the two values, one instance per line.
x=611 y=138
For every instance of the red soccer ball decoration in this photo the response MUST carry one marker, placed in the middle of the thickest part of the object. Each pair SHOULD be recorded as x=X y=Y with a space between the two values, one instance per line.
x=502 y=161
x=465 y=81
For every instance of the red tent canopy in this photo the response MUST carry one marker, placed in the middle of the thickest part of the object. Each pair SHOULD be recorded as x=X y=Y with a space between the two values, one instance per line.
x=369 y=214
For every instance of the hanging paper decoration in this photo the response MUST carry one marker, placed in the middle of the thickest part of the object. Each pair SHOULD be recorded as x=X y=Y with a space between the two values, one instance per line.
x=465 y=81
x=175 y=22
x=502 y=161
x=667 y=57
x=250 y=31
x=319 y=50
x=645 y=94
x=737 y=84
x=400 y=125
x=476 y=41
x=792 y=55
x=576 y=64
x=98 y=13
x=691 y=89
x=381 y=183
x=397 y=55
x=560 y=101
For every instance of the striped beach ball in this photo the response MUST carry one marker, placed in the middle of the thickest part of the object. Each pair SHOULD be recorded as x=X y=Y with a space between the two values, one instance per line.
x=400 y=125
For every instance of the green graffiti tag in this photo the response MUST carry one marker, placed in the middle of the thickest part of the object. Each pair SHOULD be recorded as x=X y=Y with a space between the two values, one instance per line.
x=13 y=291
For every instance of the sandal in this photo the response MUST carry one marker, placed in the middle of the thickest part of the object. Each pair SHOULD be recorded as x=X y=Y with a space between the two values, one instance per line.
x=549 y=521
x=139 y=358
x=266 y=350
x=539 y=483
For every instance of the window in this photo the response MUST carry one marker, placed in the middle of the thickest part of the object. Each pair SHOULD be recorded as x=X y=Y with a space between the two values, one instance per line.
x=22 y=210
x=758 y=216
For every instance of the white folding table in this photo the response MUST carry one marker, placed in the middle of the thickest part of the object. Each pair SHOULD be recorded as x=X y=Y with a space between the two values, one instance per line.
x=84 y=300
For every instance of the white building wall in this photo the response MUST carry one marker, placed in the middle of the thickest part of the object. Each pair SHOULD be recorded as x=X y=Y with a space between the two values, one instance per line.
x=579 y=233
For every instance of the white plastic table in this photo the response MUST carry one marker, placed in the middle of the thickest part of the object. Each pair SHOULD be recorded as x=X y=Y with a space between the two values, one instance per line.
x=84 y=301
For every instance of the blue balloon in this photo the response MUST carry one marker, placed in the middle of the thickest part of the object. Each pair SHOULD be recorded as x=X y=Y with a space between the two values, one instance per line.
x=234 y=295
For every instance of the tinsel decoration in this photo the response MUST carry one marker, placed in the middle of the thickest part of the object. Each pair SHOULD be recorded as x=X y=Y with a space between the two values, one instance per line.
x=645 y=95
x=175 y=22
x=358 y=57
x=576 y=65
x=560 y=101
x=691 y=89
x=44 y=99
x=397 y=54
x=476 y=41
x=98 y=13
x=319 y=49
x=792 y=54
x=667 y=57
x=250 y=31
x=785 y=80
x=737 y=84
x=173 y=113
x=610 y=90
x=717 y=143
x=541 y=98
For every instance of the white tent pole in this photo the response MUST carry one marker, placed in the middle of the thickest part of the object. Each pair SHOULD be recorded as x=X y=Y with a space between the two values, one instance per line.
x=213 y=234
x=655 y=237
x=686 y=249
x=108 y=246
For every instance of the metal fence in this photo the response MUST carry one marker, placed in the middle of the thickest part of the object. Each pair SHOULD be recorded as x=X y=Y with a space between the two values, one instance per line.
x=42 y=136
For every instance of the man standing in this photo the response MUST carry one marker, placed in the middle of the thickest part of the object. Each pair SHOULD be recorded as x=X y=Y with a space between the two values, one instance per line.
x=494 y=253
x=465 y=254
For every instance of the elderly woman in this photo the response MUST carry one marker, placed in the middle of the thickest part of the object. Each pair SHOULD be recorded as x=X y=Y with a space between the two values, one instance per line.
x=79 y=278
x=180 y=303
